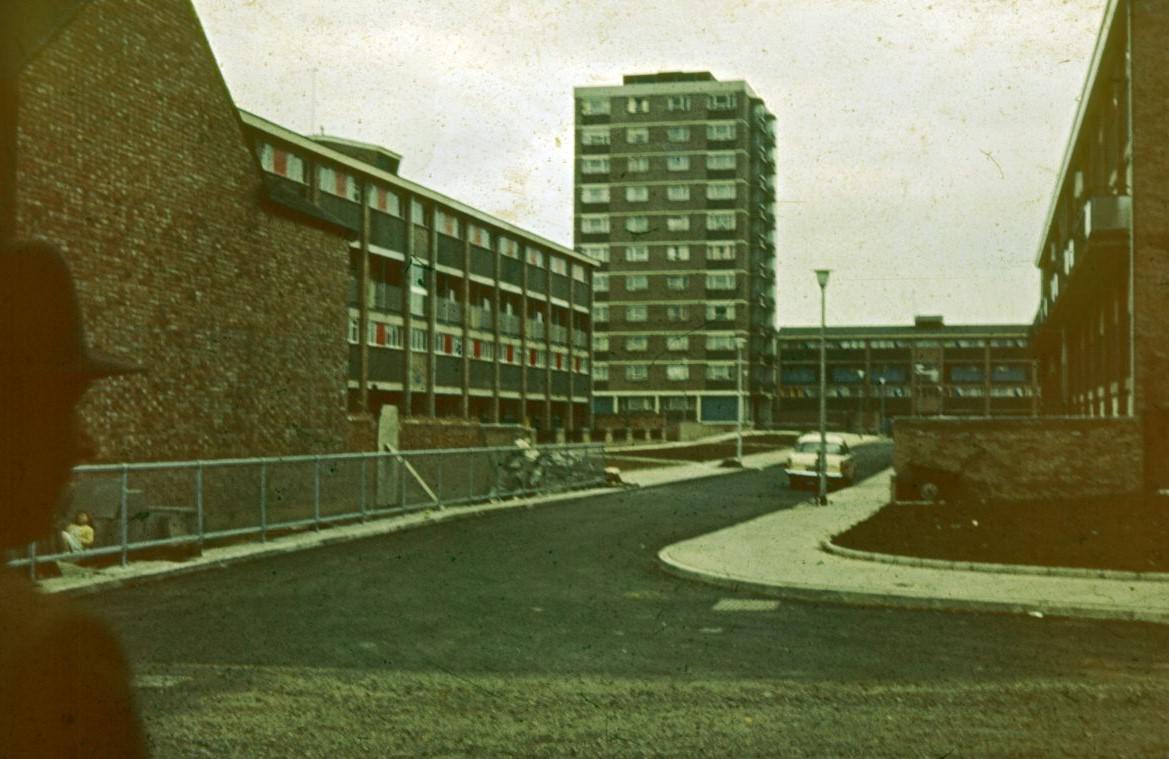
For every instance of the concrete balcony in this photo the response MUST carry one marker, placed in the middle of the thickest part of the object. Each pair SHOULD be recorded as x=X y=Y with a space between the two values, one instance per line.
x=535 y=330
x=480 y=318
x=558 y=334
x=509 y=324
x=449 y=311
x=1107 y=214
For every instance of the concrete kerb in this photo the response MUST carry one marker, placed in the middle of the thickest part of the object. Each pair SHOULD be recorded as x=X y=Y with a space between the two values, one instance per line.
x=216 y=558
x=974 y=566
x=879 y=599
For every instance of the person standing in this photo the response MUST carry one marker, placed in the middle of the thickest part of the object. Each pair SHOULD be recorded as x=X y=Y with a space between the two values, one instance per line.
x=65 y=688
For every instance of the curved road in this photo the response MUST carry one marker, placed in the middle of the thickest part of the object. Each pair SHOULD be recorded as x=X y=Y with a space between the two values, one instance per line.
x=558 y=619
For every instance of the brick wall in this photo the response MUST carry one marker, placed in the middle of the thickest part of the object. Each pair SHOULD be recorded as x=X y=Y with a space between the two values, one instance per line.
x=428 y=434
x=1150 y=71
x=132 y=157
x=1020 y=458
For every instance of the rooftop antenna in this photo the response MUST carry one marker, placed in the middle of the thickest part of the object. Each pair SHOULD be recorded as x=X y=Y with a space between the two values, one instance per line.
x=312 y=113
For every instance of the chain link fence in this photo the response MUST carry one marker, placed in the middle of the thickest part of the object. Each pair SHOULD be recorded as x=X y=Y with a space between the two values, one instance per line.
x=174 y=509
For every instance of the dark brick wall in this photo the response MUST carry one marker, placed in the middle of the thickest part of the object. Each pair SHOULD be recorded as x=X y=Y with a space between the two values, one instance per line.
x=429 y=434
x=1150 y=70
x=132 y=157
x=1040 y=457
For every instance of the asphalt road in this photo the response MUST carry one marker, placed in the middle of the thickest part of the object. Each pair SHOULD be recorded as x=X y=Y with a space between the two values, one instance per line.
x=558 y=619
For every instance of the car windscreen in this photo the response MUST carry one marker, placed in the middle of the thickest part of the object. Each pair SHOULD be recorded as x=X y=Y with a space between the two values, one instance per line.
x=814 y=446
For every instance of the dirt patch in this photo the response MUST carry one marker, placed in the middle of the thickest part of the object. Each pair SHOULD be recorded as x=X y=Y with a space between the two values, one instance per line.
x=1129 y=533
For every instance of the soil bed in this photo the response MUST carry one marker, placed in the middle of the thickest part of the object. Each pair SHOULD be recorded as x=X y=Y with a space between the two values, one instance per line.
x=1129 y=533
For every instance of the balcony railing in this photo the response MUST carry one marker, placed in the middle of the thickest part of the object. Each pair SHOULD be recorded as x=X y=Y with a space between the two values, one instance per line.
x=509 y=324
x=449 y=311
x=480 y=318
x=558 y=333
x=385 y=297
x=535 y=329
x=580 y=339
x=1107 y=213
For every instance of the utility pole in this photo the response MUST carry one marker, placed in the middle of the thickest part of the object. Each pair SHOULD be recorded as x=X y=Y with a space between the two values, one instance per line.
x=822 y=459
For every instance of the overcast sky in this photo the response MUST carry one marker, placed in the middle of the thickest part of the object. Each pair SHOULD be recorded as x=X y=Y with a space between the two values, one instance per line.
x=918 y=140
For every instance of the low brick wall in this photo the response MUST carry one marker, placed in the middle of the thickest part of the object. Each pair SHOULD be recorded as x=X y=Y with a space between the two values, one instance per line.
x=1014 y=459
x=429 y=434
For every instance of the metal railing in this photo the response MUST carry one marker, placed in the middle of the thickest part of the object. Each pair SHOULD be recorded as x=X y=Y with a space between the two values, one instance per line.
x=187 y=504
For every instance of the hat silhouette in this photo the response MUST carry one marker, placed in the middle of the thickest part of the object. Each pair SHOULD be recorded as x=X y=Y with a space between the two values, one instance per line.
x=41 y=333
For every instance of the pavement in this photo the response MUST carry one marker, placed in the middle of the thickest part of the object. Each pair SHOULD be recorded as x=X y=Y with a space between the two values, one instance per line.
x=783 y=554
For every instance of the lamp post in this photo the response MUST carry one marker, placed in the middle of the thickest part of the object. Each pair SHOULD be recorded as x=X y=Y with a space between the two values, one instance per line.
x=740 y=343
x=881 y=428
x=860 y=424
x=822 y=459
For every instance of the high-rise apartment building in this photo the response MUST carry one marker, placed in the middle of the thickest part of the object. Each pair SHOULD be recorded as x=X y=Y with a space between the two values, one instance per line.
x=675 y=196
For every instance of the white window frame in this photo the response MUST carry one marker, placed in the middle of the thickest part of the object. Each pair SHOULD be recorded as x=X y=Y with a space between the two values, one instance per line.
x=594 y=193
x=721 y=102
x=723 y=221
x=678 y=192
x=636 y=224
x=678 y=223
x=636 y=105
x=600 y=372
x=636 y=282
x=720 y=280
x=594 y=164
x=636 y=372
x=595 y=106
x=598 y=224
x=636 y=313
x=636 y=253
x=676 y=313
x=637 y=164
x=712 y=312
x=600 y=312
x=678 y=342
x=678 y=103
x=637 y=135
x=596 y=252
x=594 y=136
x=722 y=161
x=678 y=134
x=677 y=372
x=720 y=342
x=601 y=343
x=677 y=163
x=677 y=282
x=720 y=372
x=721 y=131
x=636 y=343
x=677 y=252
x=721 y=252
x=636 y=194
x=722 y=191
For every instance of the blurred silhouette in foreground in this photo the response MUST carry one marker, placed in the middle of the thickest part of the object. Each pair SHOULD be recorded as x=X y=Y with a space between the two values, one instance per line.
x=64 y=683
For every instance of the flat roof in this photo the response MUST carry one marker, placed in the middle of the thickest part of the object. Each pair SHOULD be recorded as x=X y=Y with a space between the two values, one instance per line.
x=909 y=330
x=394 y=180
x=659 y=87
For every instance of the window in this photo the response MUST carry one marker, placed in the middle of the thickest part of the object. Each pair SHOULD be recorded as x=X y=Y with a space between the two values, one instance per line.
x=721 y=191
x=720 y=161
x=636 y=313
x=723 y=102
x=594 y=106
x=478 y=236
x=720 y=252
x=635 y=224
x=338 y=183
x=678 y=192
x=535 y=257
x=282 y=162
x=678 y=134
x=601 y=372
x=508 y=247
x=677 y=372
x=484 y=350
x=637 y=165
x=677 y=162
x=720 y=342
x=637 y=253
x=635 y=282
x=637 y=105
x=678 y=103
x=558 y=265
x=537 y=358
x=677 y=313
x=677 y=252
x=720 y=372
x=578 y=273
x=720 y=220
x=601 y=343
x=600 y=312
x=417 y=213
x=720 y=311
x=446 y=223
x=596 y=252
x=594 y=136
x=677 y=282
x=594 y=165
x=636 y=372
x=637 y=135
x=594 y=193
x=384 y=200
x=600 y=282
x=594 y=224
x=418 y=341
x=720 y=281
x=637 y=343
x=721 y=131
x=677 y=223
x=636 y=194
x=354 y=328
x=678 y=343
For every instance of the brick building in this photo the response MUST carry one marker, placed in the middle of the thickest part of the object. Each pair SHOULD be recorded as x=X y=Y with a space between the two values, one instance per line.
x=674 y=183
x=198 y=253
x=464 y=314
x=925 y=369
x=1104 y=257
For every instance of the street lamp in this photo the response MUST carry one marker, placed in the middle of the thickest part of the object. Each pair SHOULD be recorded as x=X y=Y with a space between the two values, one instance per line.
x=822 y=462
x=881 y=429
x=860 y=424
x=740 y=343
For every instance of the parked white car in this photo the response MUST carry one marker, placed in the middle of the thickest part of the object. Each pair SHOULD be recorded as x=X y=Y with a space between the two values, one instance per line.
x=801 y=463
